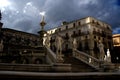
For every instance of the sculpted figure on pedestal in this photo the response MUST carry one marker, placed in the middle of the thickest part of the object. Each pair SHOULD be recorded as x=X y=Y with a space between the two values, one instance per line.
x=47 y=41
x=58 y=44
x=101 y=50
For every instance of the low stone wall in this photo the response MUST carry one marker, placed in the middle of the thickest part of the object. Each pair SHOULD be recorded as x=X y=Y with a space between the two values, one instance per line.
x=35 y=67
x=25 y=67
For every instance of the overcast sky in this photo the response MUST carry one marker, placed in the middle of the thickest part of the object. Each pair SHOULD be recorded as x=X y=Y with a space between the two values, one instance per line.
x=24 y=15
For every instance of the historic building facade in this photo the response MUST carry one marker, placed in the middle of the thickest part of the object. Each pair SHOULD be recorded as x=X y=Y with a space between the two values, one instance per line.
x=88 y=33
x=116 y=40
x=20 y=47
x=116 y=44
x=17 y=44
x=76 y=46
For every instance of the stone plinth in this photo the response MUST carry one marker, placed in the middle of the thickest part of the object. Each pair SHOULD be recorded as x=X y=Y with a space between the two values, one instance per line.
x=108 y=67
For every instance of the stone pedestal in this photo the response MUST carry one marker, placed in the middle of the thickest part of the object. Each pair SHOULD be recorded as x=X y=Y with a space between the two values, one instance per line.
x=41 y=34
x=108 y=67
x=60 y=58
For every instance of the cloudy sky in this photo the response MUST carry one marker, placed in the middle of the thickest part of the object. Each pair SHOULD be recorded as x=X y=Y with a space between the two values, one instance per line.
x=24 y=15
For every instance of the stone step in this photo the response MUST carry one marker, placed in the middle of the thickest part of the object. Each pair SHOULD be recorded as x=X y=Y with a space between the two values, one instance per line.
x=77 y=65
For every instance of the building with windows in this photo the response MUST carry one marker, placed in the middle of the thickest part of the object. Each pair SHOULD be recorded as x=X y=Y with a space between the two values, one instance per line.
x=77 y=46
x=88 y=32
x=116 y=44
x=20 y=47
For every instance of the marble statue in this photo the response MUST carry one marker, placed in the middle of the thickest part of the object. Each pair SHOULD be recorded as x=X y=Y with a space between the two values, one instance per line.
x=101 y=50
x=58 y=44
x=47 y=41
x=108 y=56
x=74 y=44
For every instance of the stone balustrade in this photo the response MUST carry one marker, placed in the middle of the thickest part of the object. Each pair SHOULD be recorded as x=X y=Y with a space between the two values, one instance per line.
x=87 y=59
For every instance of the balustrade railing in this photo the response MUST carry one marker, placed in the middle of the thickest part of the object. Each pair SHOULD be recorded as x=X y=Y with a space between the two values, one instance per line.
x=95 y=63
x=51 y=54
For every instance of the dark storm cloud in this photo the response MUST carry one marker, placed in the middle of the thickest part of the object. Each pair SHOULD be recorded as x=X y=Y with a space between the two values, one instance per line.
x=23 y=22
x=24 y=14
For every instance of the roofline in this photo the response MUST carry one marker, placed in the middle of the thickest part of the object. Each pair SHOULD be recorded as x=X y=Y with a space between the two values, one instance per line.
x=19 y=31
x=82 y=19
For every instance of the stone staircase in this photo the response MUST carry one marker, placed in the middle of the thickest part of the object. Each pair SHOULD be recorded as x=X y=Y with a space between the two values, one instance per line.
x=77 y=65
